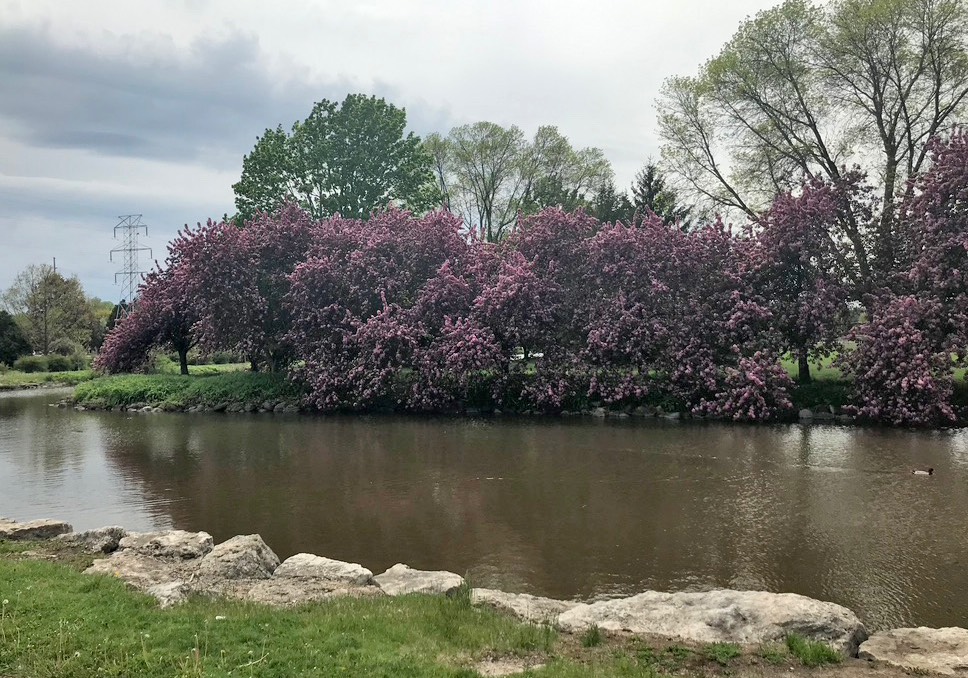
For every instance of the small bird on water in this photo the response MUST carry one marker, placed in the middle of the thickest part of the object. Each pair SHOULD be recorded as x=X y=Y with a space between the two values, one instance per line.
x=922 y=472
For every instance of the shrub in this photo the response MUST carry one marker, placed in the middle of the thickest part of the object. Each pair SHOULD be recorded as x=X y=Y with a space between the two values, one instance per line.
x=59 y=363
x=66 y=347
x=31 y=363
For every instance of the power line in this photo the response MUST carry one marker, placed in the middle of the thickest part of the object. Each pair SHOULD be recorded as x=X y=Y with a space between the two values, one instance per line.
x=130 y=228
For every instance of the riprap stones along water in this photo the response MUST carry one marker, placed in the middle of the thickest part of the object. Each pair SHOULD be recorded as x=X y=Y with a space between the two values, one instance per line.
x=173 y=564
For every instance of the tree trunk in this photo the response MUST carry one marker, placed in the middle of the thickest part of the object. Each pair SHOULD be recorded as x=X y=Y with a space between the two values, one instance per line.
x=253 y=365
x=803 y=366
x=183 y=360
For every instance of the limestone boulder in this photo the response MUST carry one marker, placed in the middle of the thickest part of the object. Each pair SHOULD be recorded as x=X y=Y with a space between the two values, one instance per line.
x=528 y=608
x=291 y=591
x=170 y=593
x=174 y=544
x=141 y=571
x=240 y=558
x=920 y=649
x=723 y=616
x=401 y=580
x=309 y=566
x=100 y=540
x=33 y=530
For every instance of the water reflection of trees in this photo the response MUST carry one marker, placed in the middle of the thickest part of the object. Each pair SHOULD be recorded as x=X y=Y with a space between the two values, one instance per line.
x=565 y=509
x=38 y=437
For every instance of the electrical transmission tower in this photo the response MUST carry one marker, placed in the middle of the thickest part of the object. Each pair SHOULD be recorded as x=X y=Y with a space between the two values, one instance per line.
x=130 y=228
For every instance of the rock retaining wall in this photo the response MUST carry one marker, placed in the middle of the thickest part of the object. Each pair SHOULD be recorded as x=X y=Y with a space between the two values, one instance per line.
x=172 y=565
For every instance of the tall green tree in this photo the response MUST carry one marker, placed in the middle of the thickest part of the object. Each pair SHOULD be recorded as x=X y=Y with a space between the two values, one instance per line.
x=805 y=90
x=490 y=175
x=650 y=192
x=609 y=206
x=13 y=341
x=49 y=307
x=350 y=158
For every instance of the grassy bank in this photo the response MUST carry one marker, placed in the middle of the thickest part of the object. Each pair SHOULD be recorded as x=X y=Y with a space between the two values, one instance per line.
x=56 y=621
x=12 y=380
x=210 y=387
x=205 y=390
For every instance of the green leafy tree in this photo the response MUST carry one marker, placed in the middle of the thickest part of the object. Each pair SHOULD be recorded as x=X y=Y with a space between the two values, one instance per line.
x=350 y=159
x=805 y=90
x=49 y=307
x=13 y=341
x=490 y=175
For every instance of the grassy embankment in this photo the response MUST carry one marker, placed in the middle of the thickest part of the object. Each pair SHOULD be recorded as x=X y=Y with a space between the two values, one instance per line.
x=12 y=380
x=207 y=386
x=56 y=621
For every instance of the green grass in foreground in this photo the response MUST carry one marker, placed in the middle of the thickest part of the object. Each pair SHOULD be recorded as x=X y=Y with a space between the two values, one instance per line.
x=184 y=391
x=56 y=622
x=12 y=379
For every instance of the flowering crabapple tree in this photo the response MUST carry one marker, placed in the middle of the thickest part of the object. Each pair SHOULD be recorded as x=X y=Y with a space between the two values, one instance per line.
x=794 y=268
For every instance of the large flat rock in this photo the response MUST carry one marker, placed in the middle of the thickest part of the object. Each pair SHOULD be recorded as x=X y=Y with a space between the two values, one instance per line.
x=723 y=616
x=33 y=529
x=920 y=649
x=176 y=544
x=401 y=580
x=532 y=609
x=318 y=568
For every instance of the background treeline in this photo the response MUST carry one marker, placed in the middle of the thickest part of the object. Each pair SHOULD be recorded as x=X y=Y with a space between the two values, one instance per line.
x=407 y=312
x=48 y=323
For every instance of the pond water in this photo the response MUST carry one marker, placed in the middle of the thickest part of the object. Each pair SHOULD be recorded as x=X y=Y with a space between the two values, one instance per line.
x=568 y=508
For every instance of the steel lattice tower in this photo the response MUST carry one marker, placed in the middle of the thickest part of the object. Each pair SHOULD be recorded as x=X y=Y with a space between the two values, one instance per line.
x=130 y=228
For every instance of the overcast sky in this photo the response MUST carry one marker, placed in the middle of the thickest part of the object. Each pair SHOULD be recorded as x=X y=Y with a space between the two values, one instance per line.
x=110 y=108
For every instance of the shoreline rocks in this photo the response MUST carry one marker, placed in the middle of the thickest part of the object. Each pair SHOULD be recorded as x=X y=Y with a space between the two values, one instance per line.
x=804 y=416
x=943 y=650
x=172 y=565
x=722 y=616
x=401 y=580
x=34 y=530
x=527 y=608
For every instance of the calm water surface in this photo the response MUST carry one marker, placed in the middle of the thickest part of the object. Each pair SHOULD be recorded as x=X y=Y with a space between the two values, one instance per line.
x=564 y=508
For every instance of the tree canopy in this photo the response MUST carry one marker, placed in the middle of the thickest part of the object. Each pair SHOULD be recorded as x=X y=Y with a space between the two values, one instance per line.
x=350 y=159
x=490 y=175
x=807 y=90
x=49 y=307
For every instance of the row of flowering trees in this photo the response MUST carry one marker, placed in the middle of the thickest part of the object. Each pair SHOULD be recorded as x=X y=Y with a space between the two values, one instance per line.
x=407 y=312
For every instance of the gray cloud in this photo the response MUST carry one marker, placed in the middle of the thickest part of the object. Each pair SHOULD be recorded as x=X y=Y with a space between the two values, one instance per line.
x=148 y=101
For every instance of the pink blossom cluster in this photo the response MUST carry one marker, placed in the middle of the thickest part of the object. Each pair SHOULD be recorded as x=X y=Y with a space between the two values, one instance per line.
x=902 y=366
